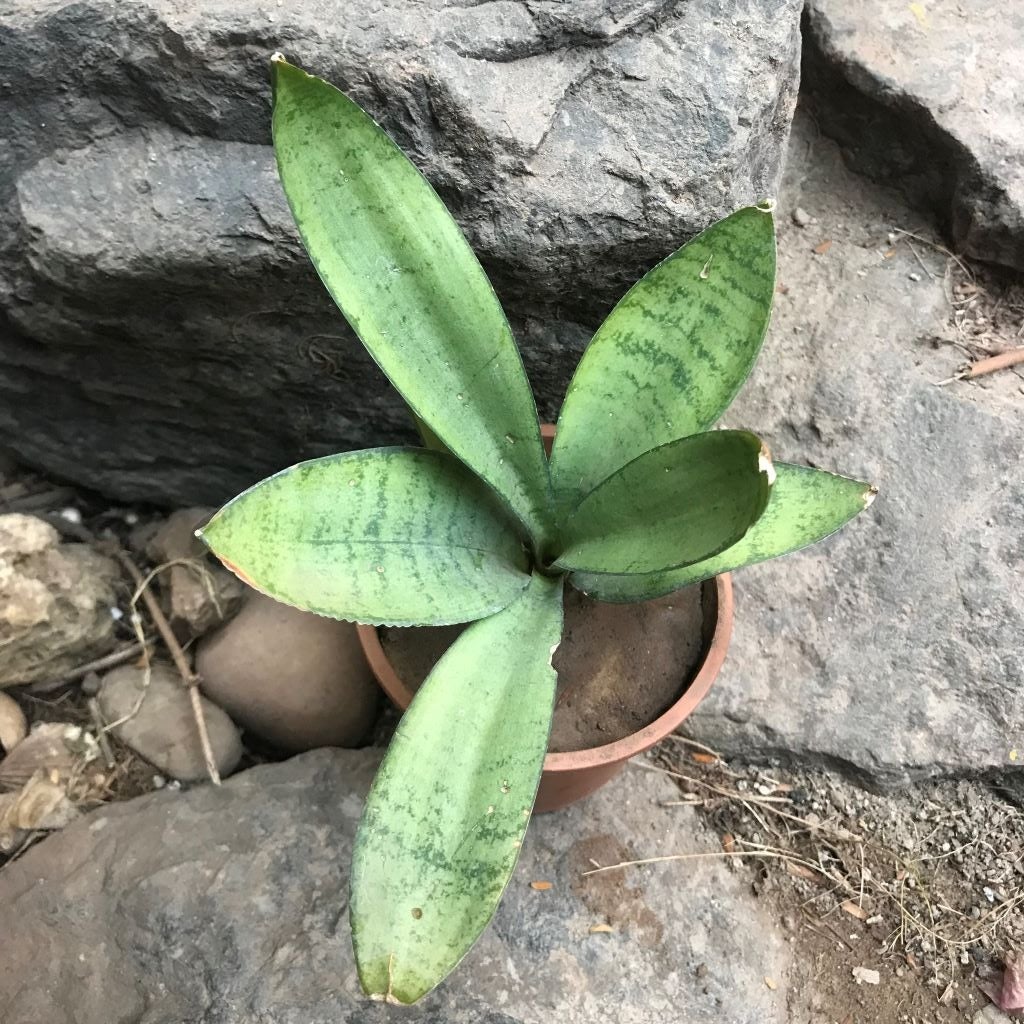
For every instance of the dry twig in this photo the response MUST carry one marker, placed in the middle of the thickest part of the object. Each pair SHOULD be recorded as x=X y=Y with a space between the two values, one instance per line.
x=188 y=677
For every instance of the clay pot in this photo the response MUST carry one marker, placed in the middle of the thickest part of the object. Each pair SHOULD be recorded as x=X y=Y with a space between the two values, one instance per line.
x=570 y=776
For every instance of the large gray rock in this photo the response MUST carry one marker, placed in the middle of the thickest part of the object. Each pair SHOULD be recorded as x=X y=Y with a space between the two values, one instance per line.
x=894 y=648
x=151 y=280
x=230 y=904
x=929 y=98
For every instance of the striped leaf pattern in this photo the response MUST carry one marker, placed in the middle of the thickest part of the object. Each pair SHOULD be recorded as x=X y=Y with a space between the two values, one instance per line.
x=402 y=536
x=401 y=271
x=806 y=505
x=448 y=810
x=671 y=355
x=679 y=503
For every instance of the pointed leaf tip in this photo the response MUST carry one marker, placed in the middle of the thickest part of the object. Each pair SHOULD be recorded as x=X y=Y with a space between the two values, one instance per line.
x=806 y=505
x=679 y=503
x=671 y=355
x=401 y=271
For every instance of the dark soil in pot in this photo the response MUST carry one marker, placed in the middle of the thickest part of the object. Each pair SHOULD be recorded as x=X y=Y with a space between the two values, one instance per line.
x=620 y=666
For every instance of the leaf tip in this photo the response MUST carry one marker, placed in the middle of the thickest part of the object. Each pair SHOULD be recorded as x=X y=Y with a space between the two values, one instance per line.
x=869 y=495
x=765 y=464
x=766 y=205
x=277 y=57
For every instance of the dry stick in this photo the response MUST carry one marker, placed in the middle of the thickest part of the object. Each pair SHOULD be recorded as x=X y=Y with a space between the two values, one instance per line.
x=921 y=262
x=189 y=678
x=1003 y=361
x=111 y=660
x=101 y=732
x=938 y=248
x=998 y=362
x=668 y=858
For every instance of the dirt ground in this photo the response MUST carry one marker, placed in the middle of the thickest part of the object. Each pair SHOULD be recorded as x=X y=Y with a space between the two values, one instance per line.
x=924 y=886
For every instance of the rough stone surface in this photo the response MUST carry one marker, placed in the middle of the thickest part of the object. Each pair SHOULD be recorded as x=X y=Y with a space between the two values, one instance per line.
x=199 y=593
x=151 y=281
x=55 y=601
x=295 y=679
x=163 y=729
x=927 y=97
x=893 y=648
x=230 y=904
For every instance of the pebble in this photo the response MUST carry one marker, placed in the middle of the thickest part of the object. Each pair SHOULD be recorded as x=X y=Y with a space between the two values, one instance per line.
x=801 y=218
x=297 y=680
x=200 y=593
x=13 y=726
x=866 y=975
x=163 y=730
x=914 y=276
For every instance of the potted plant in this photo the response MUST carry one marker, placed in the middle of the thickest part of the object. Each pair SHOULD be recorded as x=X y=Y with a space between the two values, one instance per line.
x=639 y=497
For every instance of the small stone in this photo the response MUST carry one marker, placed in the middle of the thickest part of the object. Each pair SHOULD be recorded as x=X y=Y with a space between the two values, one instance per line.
x=295 y=679
x=55 y=601
x=866 y=976
x=801 y=218
x=991 y=1015
x=163 y=729
x=914 y=276
x=13 y=726
x=90 y=685
x=202 y=594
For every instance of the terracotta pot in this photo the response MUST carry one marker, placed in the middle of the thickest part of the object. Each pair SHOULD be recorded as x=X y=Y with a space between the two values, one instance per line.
x=571 y=776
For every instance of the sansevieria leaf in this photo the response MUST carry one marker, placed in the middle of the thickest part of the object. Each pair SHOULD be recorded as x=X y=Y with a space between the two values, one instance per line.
x=679 y=503
x=806 y=505
x=671 y=355
x=389 y=535
x=448 y=810
x=406 y=279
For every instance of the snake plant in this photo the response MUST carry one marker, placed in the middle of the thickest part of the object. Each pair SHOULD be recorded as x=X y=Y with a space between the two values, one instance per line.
x=639 y=497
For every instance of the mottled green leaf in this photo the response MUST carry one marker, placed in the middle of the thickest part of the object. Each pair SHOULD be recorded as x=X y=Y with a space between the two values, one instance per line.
x=682 y=502
x=806 y=505
x=671 y=355
x=428 y=437
x=403 y=536
x=443 y=824
x=403 y=274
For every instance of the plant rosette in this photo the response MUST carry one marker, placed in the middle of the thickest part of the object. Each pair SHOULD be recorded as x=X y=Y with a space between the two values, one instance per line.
x=571 y=775
x=639 y=498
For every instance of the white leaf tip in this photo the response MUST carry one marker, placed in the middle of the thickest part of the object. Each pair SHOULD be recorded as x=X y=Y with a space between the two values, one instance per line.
x=765 y=465
x=869 y=496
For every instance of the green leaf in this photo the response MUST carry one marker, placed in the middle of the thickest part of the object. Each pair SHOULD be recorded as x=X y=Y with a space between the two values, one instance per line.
x=402 y=536
x=806 y=505
x=428 y=437
x=671 y=355
x=687 y=500
x=403 y=274
x=448 y=810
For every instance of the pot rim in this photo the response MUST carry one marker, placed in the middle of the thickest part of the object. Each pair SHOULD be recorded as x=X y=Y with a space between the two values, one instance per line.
x=609 y=753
